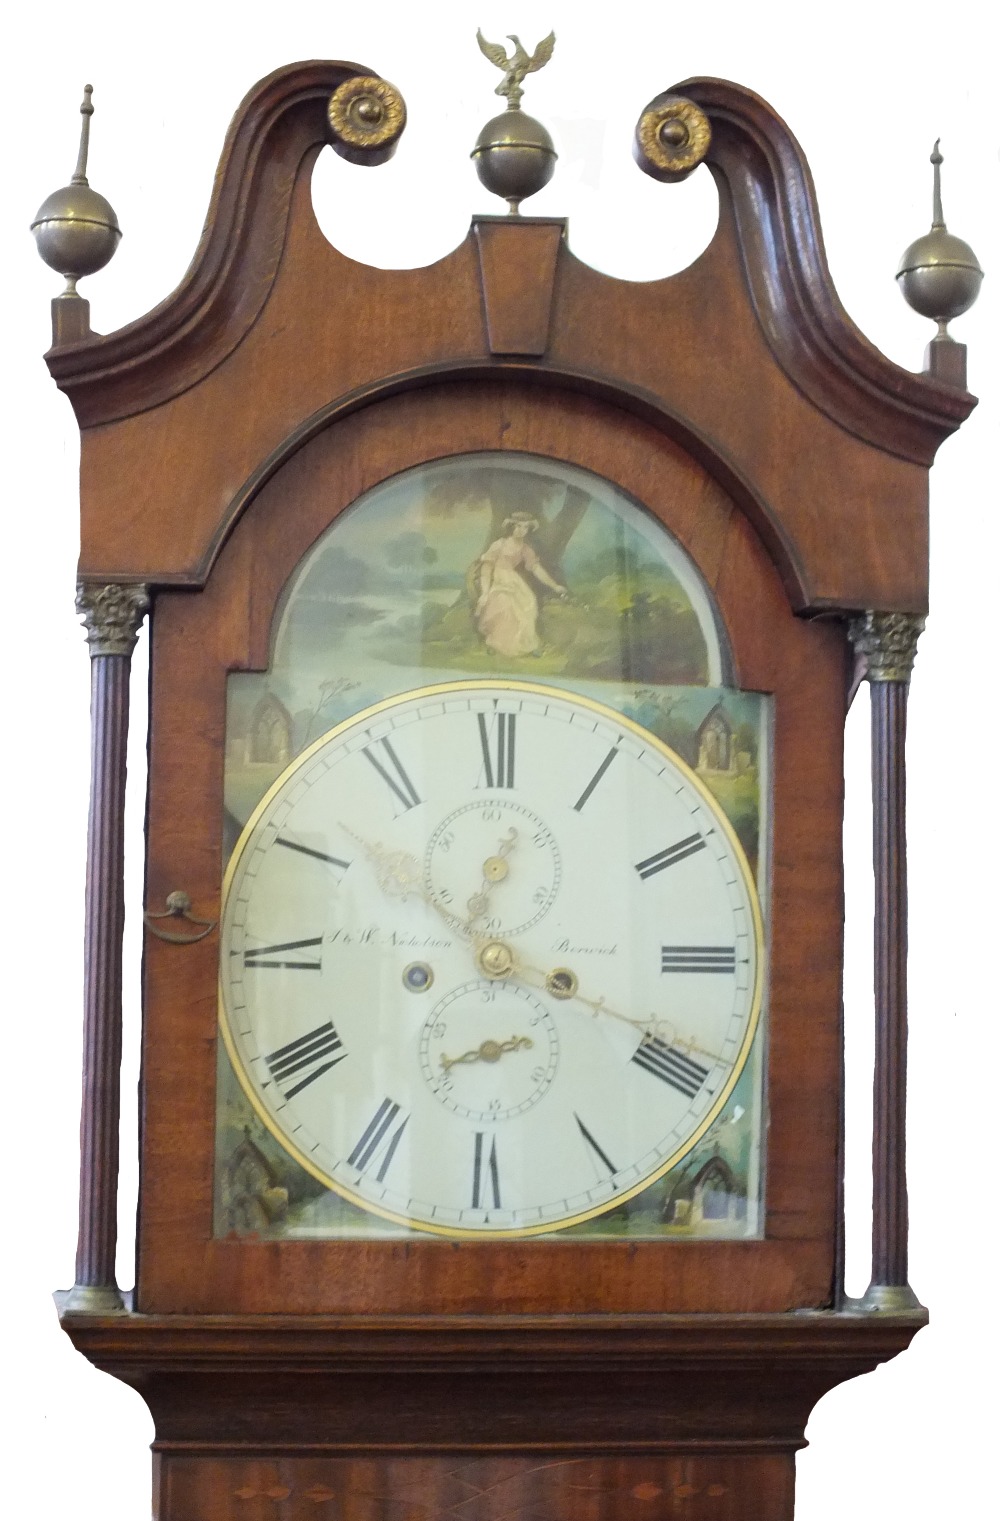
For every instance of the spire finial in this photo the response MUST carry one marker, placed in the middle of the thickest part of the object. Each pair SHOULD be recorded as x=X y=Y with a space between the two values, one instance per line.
x=940 y=277
x=86 y=111
x=76 y=230
x=937 y=160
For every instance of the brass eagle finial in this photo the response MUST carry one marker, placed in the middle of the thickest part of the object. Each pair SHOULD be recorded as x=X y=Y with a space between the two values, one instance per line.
x=517 y=65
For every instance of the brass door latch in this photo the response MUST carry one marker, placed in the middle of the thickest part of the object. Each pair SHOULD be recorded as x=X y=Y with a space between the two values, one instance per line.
x=178 y=907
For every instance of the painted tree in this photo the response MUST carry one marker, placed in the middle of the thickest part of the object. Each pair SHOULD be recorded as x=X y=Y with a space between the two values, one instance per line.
x=504 y=491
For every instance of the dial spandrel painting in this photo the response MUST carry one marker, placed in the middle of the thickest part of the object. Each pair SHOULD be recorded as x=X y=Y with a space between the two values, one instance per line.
x=495 y=879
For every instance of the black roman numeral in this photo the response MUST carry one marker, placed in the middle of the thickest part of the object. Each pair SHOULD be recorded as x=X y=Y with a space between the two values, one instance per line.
x=498 y=749
x=264 y=954
x=698 y=958
x=671 y=1065
x=306 y=1055
x=605 y=763
x=598 y=1151
x=307 y=850
x=374 y=1135
x=670 y=856
x=390 y=769
x=479 y=1173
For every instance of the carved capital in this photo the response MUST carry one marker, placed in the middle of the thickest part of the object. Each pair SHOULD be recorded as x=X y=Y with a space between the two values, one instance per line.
x=112 y=616
x=887 y=642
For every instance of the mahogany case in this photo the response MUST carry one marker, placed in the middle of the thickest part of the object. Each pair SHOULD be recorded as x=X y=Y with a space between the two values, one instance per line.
x=221 y=434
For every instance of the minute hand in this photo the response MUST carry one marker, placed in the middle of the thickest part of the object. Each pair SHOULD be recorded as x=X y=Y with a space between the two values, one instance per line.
x=562 y=984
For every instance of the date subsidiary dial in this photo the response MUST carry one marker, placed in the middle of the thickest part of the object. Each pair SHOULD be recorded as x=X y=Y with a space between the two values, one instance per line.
x=491 y=959
x=489 y=1051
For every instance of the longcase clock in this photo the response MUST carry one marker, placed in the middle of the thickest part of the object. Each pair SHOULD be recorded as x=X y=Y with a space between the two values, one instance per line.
x=504 y=619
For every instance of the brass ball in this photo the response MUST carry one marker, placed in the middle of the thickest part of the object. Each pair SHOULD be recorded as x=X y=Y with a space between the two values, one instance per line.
x=939 y=275
x=514 y=156
x=76 y=231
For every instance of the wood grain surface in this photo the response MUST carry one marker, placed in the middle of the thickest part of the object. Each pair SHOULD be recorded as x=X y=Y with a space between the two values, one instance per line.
x=688 y=1416
x=222 y=433
x=689 y=1488
x=102 y=983
x=747 y=356
x=890 y=1211
x=199 y=638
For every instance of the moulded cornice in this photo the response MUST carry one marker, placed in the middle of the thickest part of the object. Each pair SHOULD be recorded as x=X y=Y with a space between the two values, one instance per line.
x=760 y=166
x=235 y=264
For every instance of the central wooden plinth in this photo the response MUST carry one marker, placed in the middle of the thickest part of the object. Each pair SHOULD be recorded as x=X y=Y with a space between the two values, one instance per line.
x=553 y=1418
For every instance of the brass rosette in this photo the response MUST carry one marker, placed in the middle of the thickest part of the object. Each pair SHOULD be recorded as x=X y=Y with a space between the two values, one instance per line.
x=367 y=116
x=672 y=137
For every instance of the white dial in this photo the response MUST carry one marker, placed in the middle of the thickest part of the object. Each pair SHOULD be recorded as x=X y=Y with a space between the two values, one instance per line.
x=491 y=959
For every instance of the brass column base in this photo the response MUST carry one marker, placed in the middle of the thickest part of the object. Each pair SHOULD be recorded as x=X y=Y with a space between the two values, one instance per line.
x=92 y=1299
x=889 y=1298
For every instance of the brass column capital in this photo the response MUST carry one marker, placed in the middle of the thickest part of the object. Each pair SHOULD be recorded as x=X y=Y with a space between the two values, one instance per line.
x=112 y=616
x=887 y=643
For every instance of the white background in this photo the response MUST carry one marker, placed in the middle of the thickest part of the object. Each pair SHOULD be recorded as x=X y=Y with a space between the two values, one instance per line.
x=866 y=87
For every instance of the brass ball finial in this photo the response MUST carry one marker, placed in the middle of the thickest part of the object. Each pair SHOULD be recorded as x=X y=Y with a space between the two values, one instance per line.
x=514 y=154
x=75 y=229
x=939 y=274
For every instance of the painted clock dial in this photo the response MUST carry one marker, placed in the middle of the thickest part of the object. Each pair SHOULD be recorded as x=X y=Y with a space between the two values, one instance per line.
x=491 y=959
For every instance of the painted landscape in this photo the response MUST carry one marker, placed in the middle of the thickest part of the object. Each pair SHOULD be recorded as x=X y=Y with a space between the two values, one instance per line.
x=515 y=567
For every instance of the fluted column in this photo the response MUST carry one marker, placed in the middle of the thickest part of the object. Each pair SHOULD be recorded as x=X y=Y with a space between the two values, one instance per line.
x=887 y=644
x=112 y=615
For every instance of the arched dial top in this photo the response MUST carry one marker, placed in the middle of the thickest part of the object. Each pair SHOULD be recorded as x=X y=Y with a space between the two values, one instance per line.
x=491 y=959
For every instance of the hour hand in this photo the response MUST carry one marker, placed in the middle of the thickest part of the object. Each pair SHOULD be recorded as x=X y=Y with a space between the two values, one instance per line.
x=398 y=875
x=397 y=872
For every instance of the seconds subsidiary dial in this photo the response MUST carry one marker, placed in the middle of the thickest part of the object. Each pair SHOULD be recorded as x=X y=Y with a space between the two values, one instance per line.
x=491 y=959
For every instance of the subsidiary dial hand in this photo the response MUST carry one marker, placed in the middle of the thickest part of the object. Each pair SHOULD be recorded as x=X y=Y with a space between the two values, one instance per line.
x=488 y=1051
x=495 y=868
